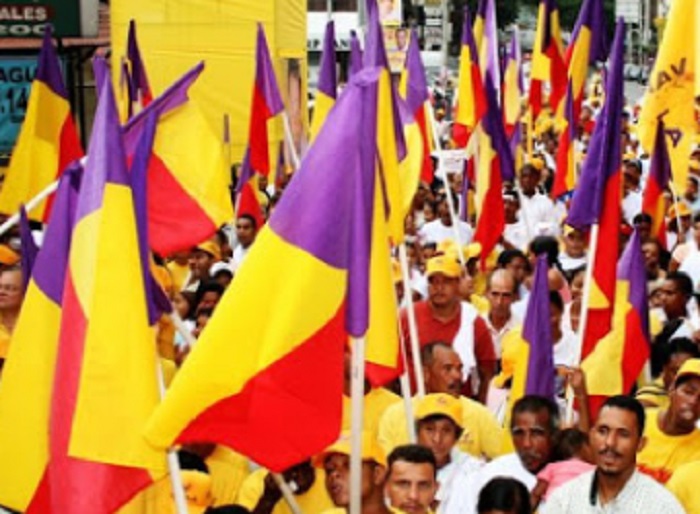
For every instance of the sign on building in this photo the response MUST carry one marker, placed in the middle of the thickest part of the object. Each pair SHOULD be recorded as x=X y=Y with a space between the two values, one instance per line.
x=27 y=18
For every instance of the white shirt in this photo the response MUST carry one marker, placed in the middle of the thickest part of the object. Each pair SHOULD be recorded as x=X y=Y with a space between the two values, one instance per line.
x=460 y=473
x=571 y=263
x=498 y=335
x=239 y=254
x=691 y=266
x=435 y=232
x=516 y=234
x=539 y=216
x=640 y=495
x=631 y=206
x=566 y=350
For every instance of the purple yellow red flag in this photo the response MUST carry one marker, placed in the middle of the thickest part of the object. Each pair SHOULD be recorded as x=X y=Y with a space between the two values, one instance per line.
x=486 y=37
x=495 y=167
x=671 y=89
x=513 y=86
x=105 y=382
x=327 y=82
x=188 y=195
x=47 y=142
x=284 y=368
x=548 y=64
x=29 y=366
x=266 y=103
x=616 y=363
x=653 y=201
x=565 y=175
x=471 y=100
x=597 y=200
x=247 y=196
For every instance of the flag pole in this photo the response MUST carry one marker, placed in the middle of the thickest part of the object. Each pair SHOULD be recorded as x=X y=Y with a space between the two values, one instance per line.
x=443 y=175
x=674 y=192
x=583 y=320
x=29 y=206
x=290 y=140
x=287 y=493
x=412 y=325
x=173 y=463
x=530 y=136
x=356 y=423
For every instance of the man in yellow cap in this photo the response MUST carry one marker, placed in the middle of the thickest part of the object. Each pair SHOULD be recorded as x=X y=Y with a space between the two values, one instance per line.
x=444 y=317
x=201 y=260
x=335 y=461
x=672 y=436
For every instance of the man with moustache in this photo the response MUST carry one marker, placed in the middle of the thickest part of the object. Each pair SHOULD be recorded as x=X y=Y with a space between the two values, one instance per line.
x=411 y=481
x=615 y=485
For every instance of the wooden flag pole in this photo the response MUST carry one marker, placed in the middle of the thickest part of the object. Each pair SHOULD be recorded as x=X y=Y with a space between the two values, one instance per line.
x=356 y=423
x=287 y=493
x=290 y=140
x=412 y=325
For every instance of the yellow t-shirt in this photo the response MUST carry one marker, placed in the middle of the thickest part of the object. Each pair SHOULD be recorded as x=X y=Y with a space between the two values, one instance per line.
x=684 y=485
x=663 y=454
x=316 y=499
x=375 y=404
x=228 y=470
x=482 y=436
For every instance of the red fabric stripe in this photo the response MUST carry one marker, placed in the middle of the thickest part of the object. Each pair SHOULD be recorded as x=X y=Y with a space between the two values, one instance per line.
x=560 y=187
x=427 y=169
x=288 y=411
x=175 y=219
x=535 y=99
x=479 y=93
x=248 y=204
x=460 y=135
x=73 y=485
x=635 y=352
x=492 y=220
x=257 y=135
x=557 y=75
x=70 y=149
x=599 y=321
x=653 y=205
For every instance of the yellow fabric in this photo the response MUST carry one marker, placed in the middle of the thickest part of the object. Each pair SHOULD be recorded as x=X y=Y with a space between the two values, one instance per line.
x=178 y=273
x=541 y=64
x=671 y=89
x=322 y=107
x=480 y=303
x=4 y=340
x=118 y=386
x=466 y=110
x=228 y=470
x=165 y=339
x=663 y=454
x=169 y=369
x=174 y=36
x=28 y=374
x=578 y=67
x=34 y=162
x=684 y=486
x=511 y=94
x=515 y=356
x=157 y=497
x=482 y=436
x=411 y=167
x=259 y=343
x=375 y=404
x=316 y=499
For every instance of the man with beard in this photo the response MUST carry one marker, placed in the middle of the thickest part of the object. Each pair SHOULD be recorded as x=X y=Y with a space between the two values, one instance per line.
x=615 y=485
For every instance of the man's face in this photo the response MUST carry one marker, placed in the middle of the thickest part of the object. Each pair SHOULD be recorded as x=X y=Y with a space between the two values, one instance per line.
x=615 y=441
x=200 y=263
x=671 y=369
x=651 y=256
x=575 y=244
x=411 y=486
x=673 y=300
x=518 y=267
x=401 y=39
x=443 y=291
x=511 y=206
x=644 y=229
x=443 y=213
x=209 y=300
x=245 y=232
x=439 y=434
x=528 y=180
x=532 y=439
x=501 y=293
x=685 y=403
x=11 y=290
x=337 y=468
x=444 y=374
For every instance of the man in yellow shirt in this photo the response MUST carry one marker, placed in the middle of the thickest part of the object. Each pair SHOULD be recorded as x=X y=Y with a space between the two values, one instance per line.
x=442 y=369
x=684 y=485
x=672 y=436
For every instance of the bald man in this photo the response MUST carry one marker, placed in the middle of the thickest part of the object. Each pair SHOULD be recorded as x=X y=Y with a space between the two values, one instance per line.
x=501 y=292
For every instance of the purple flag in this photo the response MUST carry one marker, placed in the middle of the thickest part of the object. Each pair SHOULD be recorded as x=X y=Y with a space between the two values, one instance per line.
x=592 y=17
x=49 y=70
x=632 y=269
x=327 y=80
x=29 y=248
x=245 y=173
x=100 y=70
x=492 y=63
x=265 y=81
x=604 y=156
x=417 y=86
x=138 y=69
x=492 y=123
x=537 y=331
x=660 y=166
x=356 y=56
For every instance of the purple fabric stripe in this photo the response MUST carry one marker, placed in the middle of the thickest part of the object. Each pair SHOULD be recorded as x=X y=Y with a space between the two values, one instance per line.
x=246 y=172
x=316 y=208
x=327 y=80
x=660 y=167
x=537 y=331
x=265 y=75
x=138 y=70
x=173 y=97
x=482 y=8
x=592 y=16
x=49 y=70
x=604 y=157
x=468 y=37
x=569 y=112
x=126 y=83
x=493 y=66
x=29 y=248
x=631 y=268
x=107 y=161
x=417 y=87
x=156 y=301
x=493 y=125
x=52 y=260
x=356 y=56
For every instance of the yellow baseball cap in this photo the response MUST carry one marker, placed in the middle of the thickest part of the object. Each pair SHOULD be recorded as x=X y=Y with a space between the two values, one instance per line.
x=211 y=248
x=371 y=451
x=8 y=256
x=445 y=264
x=690 y=368
x=440 y=404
